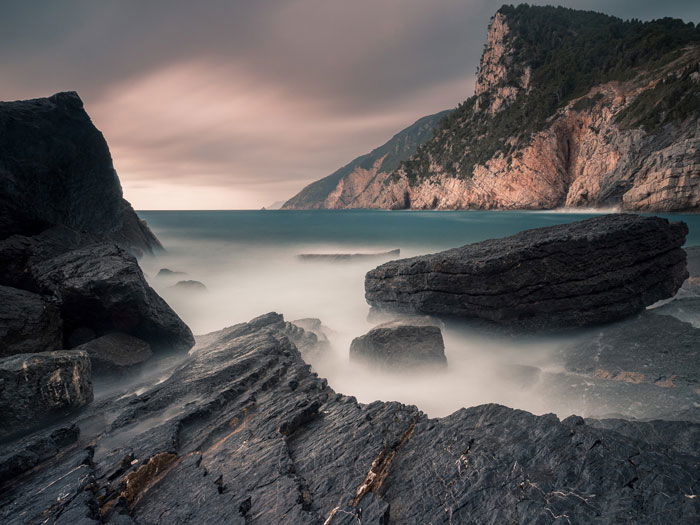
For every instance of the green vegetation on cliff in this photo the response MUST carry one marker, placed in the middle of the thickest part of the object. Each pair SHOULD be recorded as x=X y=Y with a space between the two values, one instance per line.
x=568 y=52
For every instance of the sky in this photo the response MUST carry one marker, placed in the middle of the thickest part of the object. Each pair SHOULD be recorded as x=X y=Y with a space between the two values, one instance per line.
x=237 y=104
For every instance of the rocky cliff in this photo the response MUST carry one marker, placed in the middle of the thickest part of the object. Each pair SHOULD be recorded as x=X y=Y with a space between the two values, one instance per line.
x=56 y=169
x=571 y=109
x=367 y=173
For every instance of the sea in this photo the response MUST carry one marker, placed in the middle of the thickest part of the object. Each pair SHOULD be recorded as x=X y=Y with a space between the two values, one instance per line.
x=249 y=262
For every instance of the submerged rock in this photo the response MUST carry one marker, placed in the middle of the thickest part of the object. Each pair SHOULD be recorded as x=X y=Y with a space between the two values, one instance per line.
x=584 y=273
x=28 y=323
x=36 y=387
x=56 y=169
x=243 y=432
x=398 y=346
x=116 y=353
x=102 y=287
x=193 y=286
x=346 y=257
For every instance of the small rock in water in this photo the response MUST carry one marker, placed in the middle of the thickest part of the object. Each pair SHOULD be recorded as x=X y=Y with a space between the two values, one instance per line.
x=190 y=285
x=40 y=386
x=165 y=272
x=116 y=352
x=400 y=346
x=345 y=257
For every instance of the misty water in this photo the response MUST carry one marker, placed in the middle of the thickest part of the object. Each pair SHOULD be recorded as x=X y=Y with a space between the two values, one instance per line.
x=249 y=262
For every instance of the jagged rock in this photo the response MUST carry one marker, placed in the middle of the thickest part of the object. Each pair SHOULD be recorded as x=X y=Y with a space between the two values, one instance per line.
x=398 y=346
x=116 y=352
x=28 y=323
x=36 y=387
x=102 y=287
x=316 y=327
x=650 y=348
x=583 y=273
x=191 y=286
x=56 y=169
x=347 y=257
x=682 y=436
x=243 y=432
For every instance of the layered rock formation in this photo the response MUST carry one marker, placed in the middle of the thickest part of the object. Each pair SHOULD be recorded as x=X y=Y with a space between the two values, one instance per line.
x=588 y=272
x=56 y=169
x=243 y=432
x=365 y=174
x=571 y=109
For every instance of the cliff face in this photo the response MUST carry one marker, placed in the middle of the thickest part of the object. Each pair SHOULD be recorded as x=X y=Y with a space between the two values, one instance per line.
x=366 y=174
x=56 y=169
x=571 y=109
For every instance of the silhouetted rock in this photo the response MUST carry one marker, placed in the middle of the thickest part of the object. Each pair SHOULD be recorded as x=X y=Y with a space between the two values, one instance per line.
x=347 y=257
x=584 y=273
x=28 y=323
x=243 y=432
x=56 y=169
x=397 y=346
x=165 y=272
x=191 y=286
x=37 y=387
x=116 y=352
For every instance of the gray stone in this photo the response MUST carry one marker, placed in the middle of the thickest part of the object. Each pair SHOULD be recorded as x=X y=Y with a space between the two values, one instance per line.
x=396 y=346
x=28 y=323
x=37 y=387
x=570 y=275
x=190 y=286
x=116 y=352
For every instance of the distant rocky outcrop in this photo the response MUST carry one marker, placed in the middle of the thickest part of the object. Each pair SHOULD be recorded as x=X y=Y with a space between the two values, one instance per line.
x=34 y=388
x=243 y=432
x=570 y=109
x=350 y=185
x=570 y=275
x=190 y=285
x=348 y=257
x=56 y=169
x=397 y=346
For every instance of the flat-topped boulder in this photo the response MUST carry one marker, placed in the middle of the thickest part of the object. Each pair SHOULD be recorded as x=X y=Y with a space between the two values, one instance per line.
x=37 y=387
x=399 y=346
x=570 y=275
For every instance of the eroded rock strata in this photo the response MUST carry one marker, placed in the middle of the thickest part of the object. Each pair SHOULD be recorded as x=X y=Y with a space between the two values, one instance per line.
x=243 y=432
x=588 y=272
x=56 y=169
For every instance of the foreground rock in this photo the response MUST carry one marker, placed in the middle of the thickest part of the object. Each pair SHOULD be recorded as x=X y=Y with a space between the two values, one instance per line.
x=56 y=169
x=347 y=257
x=28 y=323
x=584 y=273
x=398 y=346
x=102 y=287
x=37 y=387
x=243 y=432
x=114 y=353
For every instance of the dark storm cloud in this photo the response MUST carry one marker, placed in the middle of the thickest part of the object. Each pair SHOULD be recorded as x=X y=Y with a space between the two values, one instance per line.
x=238 y=103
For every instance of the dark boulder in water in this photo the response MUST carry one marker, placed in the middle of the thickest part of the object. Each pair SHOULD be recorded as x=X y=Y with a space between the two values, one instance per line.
x=117 y=352
x=570 y=275
x=56 y=169
x=102 y=287
x=397 y=346
x=166 y=273
x=243 y=432
x=190 y=285
x=37 y=387
x=28 y=323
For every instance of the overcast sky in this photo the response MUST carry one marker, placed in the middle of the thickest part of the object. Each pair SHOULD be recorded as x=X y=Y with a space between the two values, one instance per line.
x=217 y=104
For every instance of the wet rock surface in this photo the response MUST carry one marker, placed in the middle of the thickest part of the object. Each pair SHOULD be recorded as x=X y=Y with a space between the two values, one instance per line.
x=243 y=432
x=114 y=353
x=578 y=274
x=400 y=346
x=37 y=387
x=28 y=323
x=56 y=169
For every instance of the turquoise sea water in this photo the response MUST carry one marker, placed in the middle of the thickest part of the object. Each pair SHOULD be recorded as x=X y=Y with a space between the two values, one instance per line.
x=249 y=262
